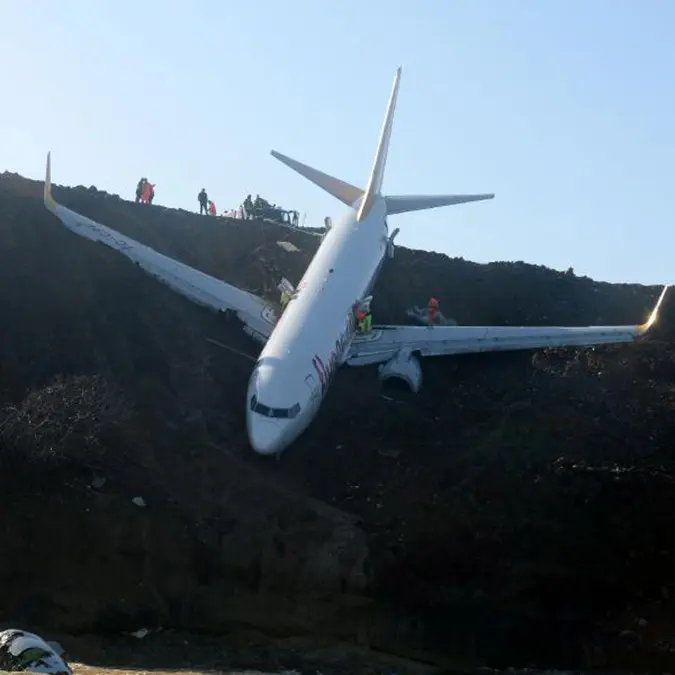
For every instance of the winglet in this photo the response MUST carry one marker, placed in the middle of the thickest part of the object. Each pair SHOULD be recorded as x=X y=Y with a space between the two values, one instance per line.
x=49 y=200
x=643 y=328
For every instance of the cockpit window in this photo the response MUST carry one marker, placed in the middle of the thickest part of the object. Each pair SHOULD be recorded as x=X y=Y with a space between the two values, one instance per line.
x=277 y=413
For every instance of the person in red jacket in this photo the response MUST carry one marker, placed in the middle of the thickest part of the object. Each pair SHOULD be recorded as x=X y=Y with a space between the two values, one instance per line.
x=432 y=310
x=145 y=195
x=212 y=209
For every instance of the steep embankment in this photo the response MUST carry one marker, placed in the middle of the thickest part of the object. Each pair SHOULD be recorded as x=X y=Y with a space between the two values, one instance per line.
x=519 y=510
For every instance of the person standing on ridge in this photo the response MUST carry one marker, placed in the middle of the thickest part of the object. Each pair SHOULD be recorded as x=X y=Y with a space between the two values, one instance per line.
x=203 y=200
x=147 y=189
x=212 y=209
x=139 y=189
x=151 y=195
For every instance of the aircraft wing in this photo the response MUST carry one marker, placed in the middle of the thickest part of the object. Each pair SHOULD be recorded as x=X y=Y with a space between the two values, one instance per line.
x=257 y=315
x=385 y=342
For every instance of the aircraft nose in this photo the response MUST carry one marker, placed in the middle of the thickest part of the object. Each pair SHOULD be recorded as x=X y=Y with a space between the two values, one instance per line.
x=265 y=436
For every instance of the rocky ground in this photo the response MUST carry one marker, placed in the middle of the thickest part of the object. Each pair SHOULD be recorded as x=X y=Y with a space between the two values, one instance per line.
x=519 y=512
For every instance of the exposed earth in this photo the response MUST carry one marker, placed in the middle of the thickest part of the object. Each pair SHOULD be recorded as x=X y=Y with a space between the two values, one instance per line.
x=519 y=512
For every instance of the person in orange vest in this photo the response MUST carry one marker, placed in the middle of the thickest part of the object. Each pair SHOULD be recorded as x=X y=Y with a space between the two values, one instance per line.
x=432 y=310
x=148 y=192
x=364 y=318
x=145 y=193
x=212 y=208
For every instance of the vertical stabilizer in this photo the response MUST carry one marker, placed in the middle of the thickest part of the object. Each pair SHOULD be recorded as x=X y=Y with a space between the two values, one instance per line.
x=377 y=173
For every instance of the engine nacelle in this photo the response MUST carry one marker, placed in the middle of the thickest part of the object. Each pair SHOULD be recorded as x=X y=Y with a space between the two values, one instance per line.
x=401 y=376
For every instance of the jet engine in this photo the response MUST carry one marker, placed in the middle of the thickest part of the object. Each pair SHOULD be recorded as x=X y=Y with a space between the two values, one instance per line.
x=401 y=376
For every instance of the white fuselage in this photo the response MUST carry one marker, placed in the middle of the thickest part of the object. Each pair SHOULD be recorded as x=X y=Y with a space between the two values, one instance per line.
x=313 y=336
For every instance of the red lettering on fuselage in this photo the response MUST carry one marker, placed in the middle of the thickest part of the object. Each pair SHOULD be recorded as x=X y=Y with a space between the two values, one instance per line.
x=327 y=370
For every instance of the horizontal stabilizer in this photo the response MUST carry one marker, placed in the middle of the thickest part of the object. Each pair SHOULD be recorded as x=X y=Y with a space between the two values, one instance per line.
x=346 y=193
x=406 y=203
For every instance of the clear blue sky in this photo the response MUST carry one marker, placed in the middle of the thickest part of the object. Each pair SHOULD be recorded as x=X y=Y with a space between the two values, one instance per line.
x=563 y=108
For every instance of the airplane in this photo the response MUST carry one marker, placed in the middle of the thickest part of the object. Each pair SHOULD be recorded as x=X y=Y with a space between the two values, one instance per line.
x=305 y=344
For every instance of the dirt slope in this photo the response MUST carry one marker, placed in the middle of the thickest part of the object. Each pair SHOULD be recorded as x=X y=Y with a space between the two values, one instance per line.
x=520 y=511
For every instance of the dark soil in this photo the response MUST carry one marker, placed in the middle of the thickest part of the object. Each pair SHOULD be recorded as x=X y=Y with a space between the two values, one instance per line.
x=520 y=511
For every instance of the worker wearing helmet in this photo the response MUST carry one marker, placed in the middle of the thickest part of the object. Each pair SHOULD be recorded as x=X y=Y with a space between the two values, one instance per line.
x=432 y=310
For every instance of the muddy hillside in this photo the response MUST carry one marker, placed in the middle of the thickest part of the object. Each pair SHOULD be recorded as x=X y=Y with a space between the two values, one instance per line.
x=519 y=511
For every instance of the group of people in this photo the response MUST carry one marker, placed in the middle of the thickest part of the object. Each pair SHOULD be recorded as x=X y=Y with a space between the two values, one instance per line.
x=206 y=206
x=145 y=191
x=364 y=314
x=252 y=205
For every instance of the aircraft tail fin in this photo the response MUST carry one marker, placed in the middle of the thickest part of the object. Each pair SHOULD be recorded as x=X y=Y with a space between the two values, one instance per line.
x=350 y=195
x=377 y=172
x=407 y=203
x=346 y=193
